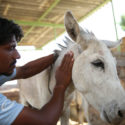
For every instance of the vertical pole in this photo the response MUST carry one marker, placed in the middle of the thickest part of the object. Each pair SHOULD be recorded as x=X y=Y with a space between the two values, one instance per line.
x=118 y=48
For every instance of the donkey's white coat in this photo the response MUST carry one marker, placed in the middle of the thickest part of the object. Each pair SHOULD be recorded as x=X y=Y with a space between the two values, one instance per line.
x=94 y=74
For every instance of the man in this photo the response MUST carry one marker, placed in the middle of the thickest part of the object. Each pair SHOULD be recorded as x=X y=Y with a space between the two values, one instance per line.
x=10 y=111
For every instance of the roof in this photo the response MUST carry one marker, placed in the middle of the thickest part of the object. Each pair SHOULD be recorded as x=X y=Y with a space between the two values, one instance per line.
x=43 y=20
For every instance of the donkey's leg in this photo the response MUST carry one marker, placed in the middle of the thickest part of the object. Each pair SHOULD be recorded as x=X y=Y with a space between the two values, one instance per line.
x=81 y=116
x=65 y=116
x=79 y=107
x=66 y=111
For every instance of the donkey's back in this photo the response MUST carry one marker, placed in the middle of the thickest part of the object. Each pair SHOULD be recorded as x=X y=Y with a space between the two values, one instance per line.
x=34 y=91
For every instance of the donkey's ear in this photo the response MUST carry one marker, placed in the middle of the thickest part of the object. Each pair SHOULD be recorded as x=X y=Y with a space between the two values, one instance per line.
x=112 y=44
x=71 y=25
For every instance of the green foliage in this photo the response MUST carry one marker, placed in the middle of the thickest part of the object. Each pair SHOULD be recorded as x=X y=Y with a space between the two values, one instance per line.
x=122 y=23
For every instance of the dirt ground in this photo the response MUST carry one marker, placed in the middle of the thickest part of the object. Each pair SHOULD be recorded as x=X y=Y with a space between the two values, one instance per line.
x=13 y=94
x=74 y=123
x=10 y=91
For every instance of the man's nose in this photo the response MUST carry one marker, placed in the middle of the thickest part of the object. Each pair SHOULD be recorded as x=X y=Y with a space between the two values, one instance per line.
x=16 y=55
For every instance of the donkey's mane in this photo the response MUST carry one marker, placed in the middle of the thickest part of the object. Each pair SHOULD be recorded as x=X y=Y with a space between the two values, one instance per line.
x=67 y=42
x=88 y=35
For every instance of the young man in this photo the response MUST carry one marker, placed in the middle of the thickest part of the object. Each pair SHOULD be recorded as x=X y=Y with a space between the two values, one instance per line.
x=10 y=111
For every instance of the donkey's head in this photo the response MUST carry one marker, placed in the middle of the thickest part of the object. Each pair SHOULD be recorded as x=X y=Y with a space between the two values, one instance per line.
x=94 y=72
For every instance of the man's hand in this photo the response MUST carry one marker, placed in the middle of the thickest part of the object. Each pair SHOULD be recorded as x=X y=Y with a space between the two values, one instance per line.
x=64 y=71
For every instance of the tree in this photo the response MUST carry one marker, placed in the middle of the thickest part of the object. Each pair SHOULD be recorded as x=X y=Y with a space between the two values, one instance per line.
x=122 y=23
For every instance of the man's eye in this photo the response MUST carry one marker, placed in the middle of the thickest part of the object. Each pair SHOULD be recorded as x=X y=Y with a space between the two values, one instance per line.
x=98 y=63
x=12 y=48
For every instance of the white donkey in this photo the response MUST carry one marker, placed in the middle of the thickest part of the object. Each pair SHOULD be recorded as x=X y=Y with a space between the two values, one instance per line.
x=94 y=75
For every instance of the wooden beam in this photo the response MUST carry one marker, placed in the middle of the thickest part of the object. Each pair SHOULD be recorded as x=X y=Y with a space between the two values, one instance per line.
x=6 y=9
x=38 y=24
x=42 y=17
x=94 y=10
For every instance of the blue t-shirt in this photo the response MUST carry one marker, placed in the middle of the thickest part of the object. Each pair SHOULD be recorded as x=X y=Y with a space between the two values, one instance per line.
x=4 y=78
x=9 y=110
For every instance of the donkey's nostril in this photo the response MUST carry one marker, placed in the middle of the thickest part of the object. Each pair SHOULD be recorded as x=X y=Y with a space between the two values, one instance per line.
x=120 y=114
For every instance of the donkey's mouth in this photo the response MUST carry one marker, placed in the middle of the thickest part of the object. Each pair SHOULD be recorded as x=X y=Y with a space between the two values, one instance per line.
x=105 y=116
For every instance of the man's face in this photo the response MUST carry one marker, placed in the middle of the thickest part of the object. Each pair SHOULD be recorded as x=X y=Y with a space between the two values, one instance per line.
x=8 y=56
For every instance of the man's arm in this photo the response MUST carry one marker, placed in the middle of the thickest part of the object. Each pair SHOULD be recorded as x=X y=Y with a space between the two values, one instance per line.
x=51 y=112
x=34 y=67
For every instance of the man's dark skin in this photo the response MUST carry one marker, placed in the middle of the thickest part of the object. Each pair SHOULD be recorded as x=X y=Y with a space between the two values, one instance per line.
x=50 y=113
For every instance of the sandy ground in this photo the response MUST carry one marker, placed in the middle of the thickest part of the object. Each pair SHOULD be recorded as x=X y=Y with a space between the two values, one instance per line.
x=74 y=123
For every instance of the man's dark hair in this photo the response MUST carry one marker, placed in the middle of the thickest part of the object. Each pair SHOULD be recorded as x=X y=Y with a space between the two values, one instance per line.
x=7 y=29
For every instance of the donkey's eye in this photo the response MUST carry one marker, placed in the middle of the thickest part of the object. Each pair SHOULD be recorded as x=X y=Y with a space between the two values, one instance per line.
x=98 y=63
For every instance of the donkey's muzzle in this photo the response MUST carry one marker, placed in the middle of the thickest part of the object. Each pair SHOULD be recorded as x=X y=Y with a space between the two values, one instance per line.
x=113 y=113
